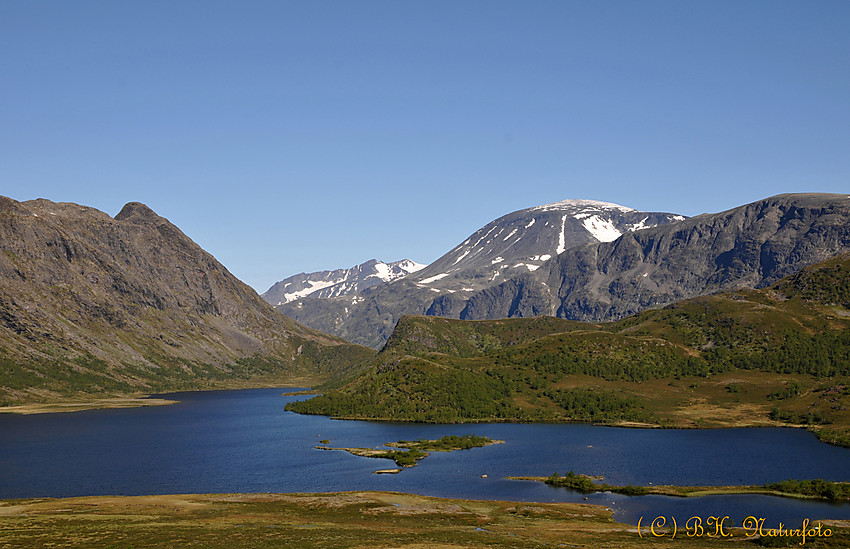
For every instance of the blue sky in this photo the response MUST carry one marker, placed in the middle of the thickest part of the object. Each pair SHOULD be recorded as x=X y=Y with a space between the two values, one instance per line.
x=299 y=136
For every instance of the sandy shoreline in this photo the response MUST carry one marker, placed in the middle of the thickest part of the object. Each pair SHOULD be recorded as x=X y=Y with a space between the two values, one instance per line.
x=91 y=404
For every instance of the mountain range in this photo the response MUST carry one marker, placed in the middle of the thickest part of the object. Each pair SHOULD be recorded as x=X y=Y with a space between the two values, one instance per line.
x=593 y=261
x=91 y=304
x=339 y=282
x=94 y=304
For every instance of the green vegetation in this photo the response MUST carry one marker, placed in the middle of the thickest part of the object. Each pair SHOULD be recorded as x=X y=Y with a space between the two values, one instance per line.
x=780 y=355
x=810 y=418
x=585 y=485
x=821 y=489
x=831 y=436
x=413 y=451
x=792 y=390
x=448 y=443
x=597 y=406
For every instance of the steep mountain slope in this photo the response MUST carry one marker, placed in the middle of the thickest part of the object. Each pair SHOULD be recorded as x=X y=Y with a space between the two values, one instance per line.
x=515 y=244
x=90 y=303
x=339 y=282
x=750 y=357
x=522 y=241
x=749 y=246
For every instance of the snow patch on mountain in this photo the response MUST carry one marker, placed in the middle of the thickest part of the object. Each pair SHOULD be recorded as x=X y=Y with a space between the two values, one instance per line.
x=601 y=229
x=339 y=282
x=314 y=286
x=576 y=203
x=562 y=244
x=434 y=278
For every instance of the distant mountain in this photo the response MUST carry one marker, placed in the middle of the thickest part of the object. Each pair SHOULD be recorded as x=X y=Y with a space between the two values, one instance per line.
x=750 y=246
x=589 y=278
x=515 y=244
x=522 y=241
x=94 y=304
x=339 y=282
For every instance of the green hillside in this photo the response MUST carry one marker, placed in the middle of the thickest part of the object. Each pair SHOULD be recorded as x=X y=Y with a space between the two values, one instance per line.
x=779 y=355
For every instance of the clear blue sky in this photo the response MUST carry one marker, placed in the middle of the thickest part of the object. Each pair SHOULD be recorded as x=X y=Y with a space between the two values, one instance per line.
x=290 y=136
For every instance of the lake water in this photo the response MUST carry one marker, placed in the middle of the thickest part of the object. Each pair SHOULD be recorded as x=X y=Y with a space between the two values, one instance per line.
x=243 y=441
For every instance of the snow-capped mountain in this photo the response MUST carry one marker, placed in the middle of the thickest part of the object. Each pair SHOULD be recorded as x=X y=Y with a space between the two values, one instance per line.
x=523 y=240
x=339 y=282
x=515 y=245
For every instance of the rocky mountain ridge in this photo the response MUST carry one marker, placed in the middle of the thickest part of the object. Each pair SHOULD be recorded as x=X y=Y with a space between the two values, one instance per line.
x=593 y=280
x=339 y=282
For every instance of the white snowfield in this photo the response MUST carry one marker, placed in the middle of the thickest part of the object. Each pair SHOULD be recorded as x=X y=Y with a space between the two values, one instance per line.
x=601 y=229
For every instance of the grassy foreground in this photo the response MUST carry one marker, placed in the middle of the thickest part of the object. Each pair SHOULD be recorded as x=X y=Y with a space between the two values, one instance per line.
x=353 y=519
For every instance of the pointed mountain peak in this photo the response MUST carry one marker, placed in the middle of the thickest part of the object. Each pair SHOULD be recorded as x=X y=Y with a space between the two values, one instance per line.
x=138 y=213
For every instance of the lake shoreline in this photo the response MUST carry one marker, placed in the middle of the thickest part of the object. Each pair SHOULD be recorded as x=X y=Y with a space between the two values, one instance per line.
x=140 y=400
x=686 y=491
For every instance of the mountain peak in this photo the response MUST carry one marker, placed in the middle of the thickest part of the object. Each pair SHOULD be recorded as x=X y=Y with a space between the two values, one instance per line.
x=137 y=212
x=575 y=203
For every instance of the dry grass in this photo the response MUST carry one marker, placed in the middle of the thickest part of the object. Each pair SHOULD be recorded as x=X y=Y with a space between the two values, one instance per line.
x=354 y=519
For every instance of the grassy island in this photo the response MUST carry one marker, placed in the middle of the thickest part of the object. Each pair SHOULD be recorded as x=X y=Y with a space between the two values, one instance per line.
x=407 y=453
x=807 y=489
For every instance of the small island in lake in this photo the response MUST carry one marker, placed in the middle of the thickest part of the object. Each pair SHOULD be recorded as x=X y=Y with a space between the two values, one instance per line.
x=407 y=453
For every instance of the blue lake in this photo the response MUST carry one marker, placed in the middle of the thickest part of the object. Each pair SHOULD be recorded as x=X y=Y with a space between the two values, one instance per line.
x=243 y=441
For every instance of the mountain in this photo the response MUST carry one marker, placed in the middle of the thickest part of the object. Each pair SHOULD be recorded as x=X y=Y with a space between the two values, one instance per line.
x=339 y=282
x=515 y=244
x=749 y=246
x=94 y=304
x=772 y=356
x=522 y=241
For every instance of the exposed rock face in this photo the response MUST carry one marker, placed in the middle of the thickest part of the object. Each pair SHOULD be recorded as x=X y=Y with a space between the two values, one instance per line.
x=132 y=291
x=749 y=246
x=339 y=282
x=522 y=241
x=502 y=251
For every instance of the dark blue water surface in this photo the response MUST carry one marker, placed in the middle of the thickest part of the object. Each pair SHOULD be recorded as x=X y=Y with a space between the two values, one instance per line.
x=243 y=441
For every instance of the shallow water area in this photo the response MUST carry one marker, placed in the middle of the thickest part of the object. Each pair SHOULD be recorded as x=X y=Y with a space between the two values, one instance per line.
x=243 y=441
